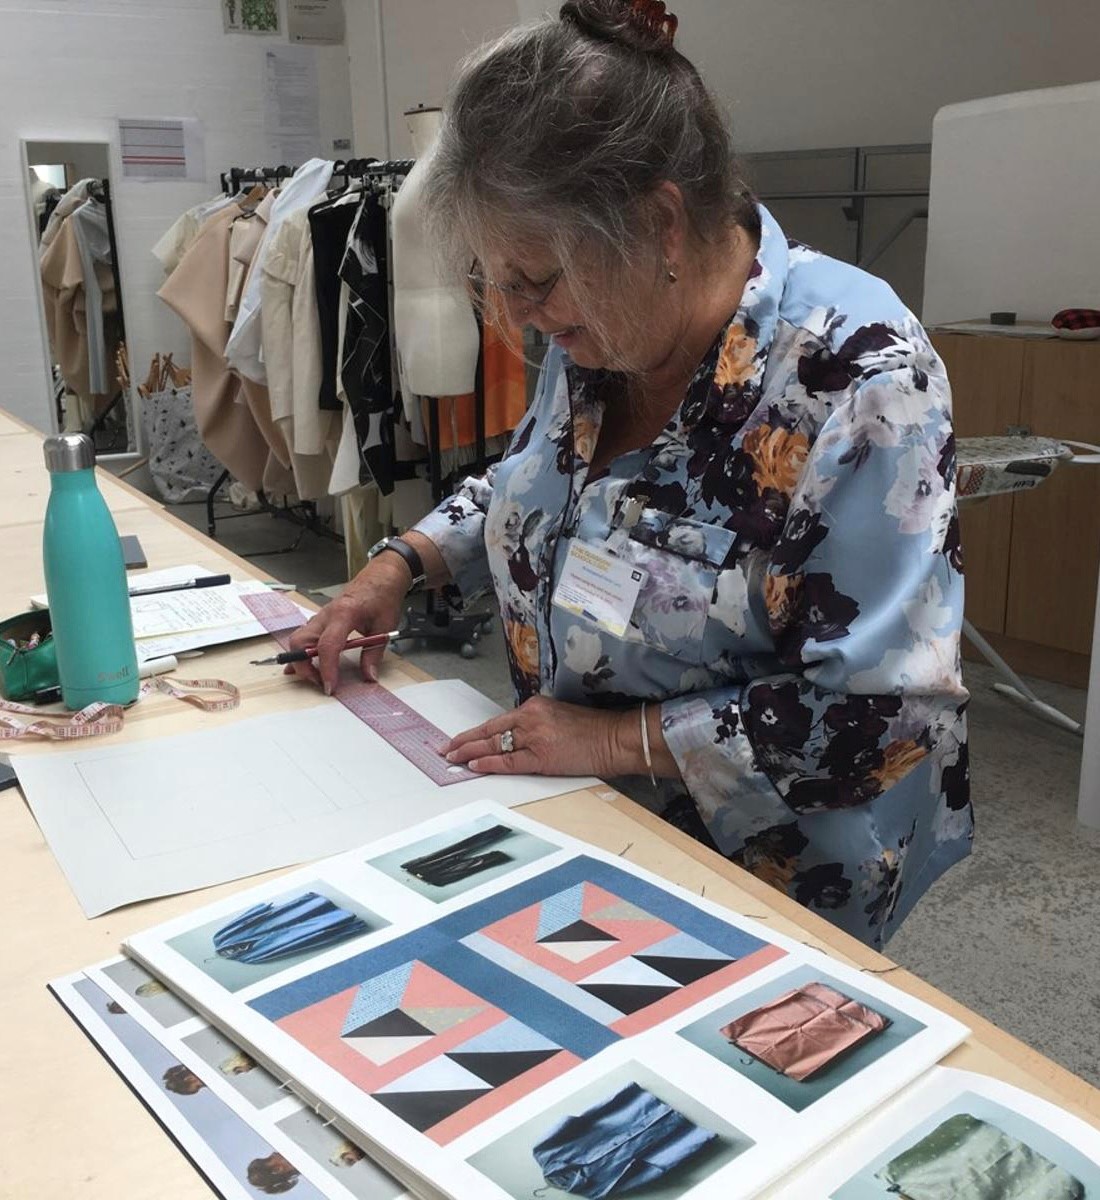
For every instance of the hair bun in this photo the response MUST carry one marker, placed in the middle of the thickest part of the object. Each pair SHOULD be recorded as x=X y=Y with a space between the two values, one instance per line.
x=642 y=25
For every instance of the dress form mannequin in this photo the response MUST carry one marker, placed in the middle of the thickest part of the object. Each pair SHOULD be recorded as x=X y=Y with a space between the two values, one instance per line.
x=435 y=327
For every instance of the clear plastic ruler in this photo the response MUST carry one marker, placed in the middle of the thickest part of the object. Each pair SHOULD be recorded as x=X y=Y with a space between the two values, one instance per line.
x=410 y=734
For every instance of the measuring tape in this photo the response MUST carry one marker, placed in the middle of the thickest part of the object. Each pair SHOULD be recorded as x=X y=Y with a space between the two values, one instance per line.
x=414 y=737
x=99 y=719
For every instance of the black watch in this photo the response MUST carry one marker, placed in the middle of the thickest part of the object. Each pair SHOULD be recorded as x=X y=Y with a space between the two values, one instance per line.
x=411 y=557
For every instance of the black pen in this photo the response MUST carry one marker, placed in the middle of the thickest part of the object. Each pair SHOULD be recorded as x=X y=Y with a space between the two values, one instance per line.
x=204 y=581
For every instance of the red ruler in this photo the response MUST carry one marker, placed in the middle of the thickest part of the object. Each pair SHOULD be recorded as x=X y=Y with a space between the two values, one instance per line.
x=411 y=735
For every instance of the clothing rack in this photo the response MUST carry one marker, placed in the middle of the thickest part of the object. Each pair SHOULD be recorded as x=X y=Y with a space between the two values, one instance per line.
x=304 y=514
x=101 y=191
x=352 y=169
x=436 y=622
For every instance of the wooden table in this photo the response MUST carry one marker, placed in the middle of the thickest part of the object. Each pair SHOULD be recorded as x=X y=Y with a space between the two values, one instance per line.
x=69 y=1127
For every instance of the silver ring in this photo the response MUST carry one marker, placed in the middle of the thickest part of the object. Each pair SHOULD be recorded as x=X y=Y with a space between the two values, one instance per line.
x=507 y=742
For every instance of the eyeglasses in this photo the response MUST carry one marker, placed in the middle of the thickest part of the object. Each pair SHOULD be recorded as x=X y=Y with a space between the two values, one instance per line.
x=534 y=295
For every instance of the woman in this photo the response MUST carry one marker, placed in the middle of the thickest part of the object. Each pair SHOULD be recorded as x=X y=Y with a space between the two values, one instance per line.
x=761 y=432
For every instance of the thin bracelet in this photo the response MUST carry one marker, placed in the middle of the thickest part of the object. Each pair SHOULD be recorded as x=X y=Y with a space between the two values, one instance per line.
x=645 y=748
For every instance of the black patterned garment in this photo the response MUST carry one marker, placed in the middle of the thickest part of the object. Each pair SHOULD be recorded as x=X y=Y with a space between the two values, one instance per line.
x=365 y=363
x=799 y=621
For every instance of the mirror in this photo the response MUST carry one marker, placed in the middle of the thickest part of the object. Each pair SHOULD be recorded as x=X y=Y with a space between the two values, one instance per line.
x=70 y=204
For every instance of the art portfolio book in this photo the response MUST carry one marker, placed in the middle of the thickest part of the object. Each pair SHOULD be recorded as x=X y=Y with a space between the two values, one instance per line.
x=493 y=1010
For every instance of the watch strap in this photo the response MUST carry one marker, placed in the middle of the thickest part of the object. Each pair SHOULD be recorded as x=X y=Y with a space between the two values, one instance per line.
x=412 y=559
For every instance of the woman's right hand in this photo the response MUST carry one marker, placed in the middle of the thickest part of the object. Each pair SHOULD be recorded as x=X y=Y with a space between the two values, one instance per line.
x=371 y=603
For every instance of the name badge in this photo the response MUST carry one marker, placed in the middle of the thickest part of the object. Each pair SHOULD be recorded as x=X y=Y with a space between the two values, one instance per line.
x=596 y=585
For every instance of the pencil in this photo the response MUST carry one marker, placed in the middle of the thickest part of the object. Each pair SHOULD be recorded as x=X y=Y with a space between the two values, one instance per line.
x=308 y=652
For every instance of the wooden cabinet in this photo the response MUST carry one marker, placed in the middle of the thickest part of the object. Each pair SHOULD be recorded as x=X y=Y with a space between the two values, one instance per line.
x=1032 y=558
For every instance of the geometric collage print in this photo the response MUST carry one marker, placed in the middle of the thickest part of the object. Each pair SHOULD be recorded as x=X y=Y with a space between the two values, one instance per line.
x=604 y=956
x=450 y=1046
x=459 y=1020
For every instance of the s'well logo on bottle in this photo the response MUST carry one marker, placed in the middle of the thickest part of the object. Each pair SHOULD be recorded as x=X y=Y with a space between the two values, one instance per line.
x=86 y=581
x=114 y=676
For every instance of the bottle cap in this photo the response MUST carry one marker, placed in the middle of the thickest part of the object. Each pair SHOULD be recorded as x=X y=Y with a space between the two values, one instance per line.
x=69 y=452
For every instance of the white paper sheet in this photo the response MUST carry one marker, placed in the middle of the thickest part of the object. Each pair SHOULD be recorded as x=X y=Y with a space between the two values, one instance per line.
x=193 y=610
x=238 y=1116
x=159 y=150
x=848 y=1169
x=168 y=815
x=315 y=22
x=174 y=622
x=292 y=114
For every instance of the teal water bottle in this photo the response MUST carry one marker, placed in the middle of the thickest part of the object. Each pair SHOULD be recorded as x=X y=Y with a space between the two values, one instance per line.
x=86 y=585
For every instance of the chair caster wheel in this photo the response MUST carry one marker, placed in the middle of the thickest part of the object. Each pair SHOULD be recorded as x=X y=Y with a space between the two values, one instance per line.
x=468 y=650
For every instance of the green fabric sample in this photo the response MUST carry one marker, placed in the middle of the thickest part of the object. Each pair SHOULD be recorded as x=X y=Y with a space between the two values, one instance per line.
x=965 y=1158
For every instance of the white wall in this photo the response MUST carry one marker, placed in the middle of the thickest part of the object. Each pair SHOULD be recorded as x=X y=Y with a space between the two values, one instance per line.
x=1013 y=215
x=425 y=41
x=794 y=73
x=68 y=70
x=803 y=73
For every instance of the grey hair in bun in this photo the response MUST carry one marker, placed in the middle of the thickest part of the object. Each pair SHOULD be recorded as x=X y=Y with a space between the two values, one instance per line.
x=558 y=133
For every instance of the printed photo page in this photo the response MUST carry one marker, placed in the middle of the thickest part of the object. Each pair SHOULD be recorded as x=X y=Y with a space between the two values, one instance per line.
x=961 y=1135
x=244 y=1133
x=494 y=1009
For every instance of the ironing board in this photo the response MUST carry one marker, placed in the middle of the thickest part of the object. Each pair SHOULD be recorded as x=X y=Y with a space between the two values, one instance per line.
x=993 y=466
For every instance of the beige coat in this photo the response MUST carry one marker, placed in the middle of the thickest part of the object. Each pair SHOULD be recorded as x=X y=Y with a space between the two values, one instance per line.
x=64 y=300
x=196 y=292
x=292 y=355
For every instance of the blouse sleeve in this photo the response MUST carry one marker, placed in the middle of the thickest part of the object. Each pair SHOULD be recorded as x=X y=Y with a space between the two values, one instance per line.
x=863 y=591
x=457 y=528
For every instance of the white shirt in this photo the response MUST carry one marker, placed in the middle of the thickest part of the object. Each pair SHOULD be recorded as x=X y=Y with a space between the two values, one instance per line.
x=244 y=350
x=176 y=240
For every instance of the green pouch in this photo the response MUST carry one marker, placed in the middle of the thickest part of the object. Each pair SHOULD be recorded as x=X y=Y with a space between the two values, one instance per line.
x=965 y=1158
x=25 y=671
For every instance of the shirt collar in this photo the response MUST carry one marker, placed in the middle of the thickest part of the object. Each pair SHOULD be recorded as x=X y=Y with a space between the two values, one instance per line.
x=727 y=385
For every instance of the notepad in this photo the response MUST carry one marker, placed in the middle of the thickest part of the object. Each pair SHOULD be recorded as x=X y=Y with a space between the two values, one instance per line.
x=175 y=622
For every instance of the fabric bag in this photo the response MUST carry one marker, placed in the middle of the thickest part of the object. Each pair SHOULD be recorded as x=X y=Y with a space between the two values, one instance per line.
x=965 y=1158
x=181 y=466
x=625 y=1141
x=804 y=1030
x=24 y=668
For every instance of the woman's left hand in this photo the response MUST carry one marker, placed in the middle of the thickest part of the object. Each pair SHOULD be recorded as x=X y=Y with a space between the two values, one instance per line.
x=549 y=737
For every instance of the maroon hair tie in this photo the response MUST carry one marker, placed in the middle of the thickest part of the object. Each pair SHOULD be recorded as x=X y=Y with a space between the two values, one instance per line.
x=651 y=18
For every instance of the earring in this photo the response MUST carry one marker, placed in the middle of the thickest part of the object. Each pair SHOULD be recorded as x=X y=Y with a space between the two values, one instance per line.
x=671 y=273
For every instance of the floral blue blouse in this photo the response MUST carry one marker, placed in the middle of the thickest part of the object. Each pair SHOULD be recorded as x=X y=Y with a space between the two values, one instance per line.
x=799 y=620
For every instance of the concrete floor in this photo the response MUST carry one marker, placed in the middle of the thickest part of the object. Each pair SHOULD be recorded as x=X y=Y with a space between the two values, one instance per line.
x=1012 y=932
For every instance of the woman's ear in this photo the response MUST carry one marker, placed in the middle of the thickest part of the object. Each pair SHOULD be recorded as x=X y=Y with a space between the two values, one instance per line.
x=670 y=223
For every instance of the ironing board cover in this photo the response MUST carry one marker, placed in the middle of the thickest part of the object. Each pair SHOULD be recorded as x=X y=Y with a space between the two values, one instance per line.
x=804 y=1030
x=965 y=1158
x=988 y=466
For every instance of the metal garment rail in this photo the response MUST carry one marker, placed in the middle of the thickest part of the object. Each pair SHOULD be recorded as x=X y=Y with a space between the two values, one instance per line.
x=437 y=622
x=304 y=514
